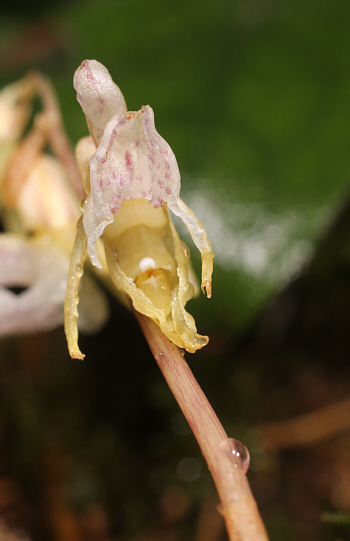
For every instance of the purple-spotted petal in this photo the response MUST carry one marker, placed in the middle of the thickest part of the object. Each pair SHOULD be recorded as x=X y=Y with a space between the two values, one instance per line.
x=131 y=161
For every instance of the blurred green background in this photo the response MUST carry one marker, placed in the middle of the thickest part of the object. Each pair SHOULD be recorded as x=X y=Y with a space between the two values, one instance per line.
x=253 y=97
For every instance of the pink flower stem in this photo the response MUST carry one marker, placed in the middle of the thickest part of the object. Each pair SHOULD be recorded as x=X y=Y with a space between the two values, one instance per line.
x=242 y=518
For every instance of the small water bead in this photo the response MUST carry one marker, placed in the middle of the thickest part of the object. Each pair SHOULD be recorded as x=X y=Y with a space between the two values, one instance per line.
x=159 y=356
x=82 y=204
x=236 y=448
x=188 y=291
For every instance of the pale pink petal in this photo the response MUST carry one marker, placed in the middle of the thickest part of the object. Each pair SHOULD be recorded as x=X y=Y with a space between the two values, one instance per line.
x=42 y=272
x=131 y=161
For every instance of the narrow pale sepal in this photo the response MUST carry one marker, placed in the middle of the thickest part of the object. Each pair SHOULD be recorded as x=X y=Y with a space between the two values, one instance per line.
x=75 y=272
x=200 y=238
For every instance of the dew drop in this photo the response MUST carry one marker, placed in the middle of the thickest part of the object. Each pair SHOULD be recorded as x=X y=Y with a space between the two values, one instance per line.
x=188 y=291
x=82 y=204
x=236 y=448
x=159 y=356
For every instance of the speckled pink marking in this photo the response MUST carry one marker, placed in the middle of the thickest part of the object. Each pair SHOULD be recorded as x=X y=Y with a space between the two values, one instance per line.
x=128 y=159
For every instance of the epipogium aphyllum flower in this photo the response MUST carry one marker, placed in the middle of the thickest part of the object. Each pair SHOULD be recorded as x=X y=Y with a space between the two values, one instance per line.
x=131 y=179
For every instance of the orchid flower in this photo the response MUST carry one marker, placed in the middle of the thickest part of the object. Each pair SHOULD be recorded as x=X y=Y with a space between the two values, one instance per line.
x=39 y=210
x=131 y=180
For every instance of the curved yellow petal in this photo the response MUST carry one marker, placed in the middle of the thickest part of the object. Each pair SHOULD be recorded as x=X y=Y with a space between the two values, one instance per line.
x=75 y=272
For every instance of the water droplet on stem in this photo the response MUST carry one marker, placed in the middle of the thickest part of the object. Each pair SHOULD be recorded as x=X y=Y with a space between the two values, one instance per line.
x=235 y=448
